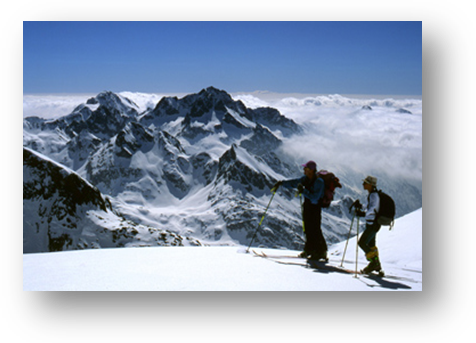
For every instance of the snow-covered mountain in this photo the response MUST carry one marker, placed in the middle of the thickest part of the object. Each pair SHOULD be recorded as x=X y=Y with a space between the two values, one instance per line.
x=62 y=211
x=199 y=167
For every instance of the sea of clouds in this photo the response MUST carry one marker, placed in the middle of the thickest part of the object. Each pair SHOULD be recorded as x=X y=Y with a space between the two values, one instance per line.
x=341 y=132
x=382 y=135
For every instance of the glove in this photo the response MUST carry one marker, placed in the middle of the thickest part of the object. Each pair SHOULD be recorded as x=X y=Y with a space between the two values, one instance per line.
x=356 y=204
x=359 y=213
x=300 y=188
x=276 y=186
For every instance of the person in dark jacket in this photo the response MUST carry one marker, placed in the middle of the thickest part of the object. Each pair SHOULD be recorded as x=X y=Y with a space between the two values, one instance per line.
x=312 y=188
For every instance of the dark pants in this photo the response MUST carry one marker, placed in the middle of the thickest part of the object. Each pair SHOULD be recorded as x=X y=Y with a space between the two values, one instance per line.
x=367 y=240
x=315 y=241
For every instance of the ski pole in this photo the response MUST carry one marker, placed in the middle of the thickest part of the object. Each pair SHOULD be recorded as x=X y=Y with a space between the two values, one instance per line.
x=256 y=231
x=348 y=237
x=357 y=248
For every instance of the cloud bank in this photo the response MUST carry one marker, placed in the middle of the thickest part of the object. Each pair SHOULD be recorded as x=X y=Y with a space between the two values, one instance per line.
x=52 y=106
x=365 y=135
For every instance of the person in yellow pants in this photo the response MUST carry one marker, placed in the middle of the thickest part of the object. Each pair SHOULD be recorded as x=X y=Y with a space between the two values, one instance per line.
x=367 y=241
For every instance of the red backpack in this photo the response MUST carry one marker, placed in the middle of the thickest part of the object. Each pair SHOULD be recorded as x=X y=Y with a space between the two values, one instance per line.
x=331 y=182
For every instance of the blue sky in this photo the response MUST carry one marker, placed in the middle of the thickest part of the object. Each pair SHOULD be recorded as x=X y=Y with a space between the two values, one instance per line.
x=285 y=57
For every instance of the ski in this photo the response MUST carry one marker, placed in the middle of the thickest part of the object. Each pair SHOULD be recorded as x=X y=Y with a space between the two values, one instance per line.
x=330 y=267
x=300 y=261
x=262 y=254
x=324 y=266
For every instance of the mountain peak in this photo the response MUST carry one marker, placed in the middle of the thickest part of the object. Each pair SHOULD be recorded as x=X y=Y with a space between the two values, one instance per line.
x=215 y=94
x=113 y=101
x=212 y=90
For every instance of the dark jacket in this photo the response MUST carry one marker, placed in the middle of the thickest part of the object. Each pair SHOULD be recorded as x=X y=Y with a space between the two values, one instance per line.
x=313 y=189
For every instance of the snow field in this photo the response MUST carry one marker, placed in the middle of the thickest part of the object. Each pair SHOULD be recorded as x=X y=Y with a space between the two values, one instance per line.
x=224 y=268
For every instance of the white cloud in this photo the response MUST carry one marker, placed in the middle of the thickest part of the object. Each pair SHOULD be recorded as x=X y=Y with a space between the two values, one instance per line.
x=341 y=134
x=51 y=106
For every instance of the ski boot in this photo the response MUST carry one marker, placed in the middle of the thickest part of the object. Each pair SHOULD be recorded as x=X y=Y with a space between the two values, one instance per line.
x=373 y=266
x=319 y=256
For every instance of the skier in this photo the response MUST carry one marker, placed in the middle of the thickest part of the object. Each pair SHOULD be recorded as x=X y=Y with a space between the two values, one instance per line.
x=312 y=187
x=367 y=240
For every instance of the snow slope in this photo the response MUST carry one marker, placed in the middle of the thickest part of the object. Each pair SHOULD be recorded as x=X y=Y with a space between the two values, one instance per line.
x=225 y=268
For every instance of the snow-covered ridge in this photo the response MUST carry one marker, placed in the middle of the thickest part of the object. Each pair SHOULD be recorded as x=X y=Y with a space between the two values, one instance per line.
x=62 y=211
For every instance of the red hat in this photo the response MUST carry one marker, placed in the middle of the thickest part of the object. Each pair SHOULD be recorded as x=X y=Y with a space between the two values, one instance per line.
x=311 y=165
